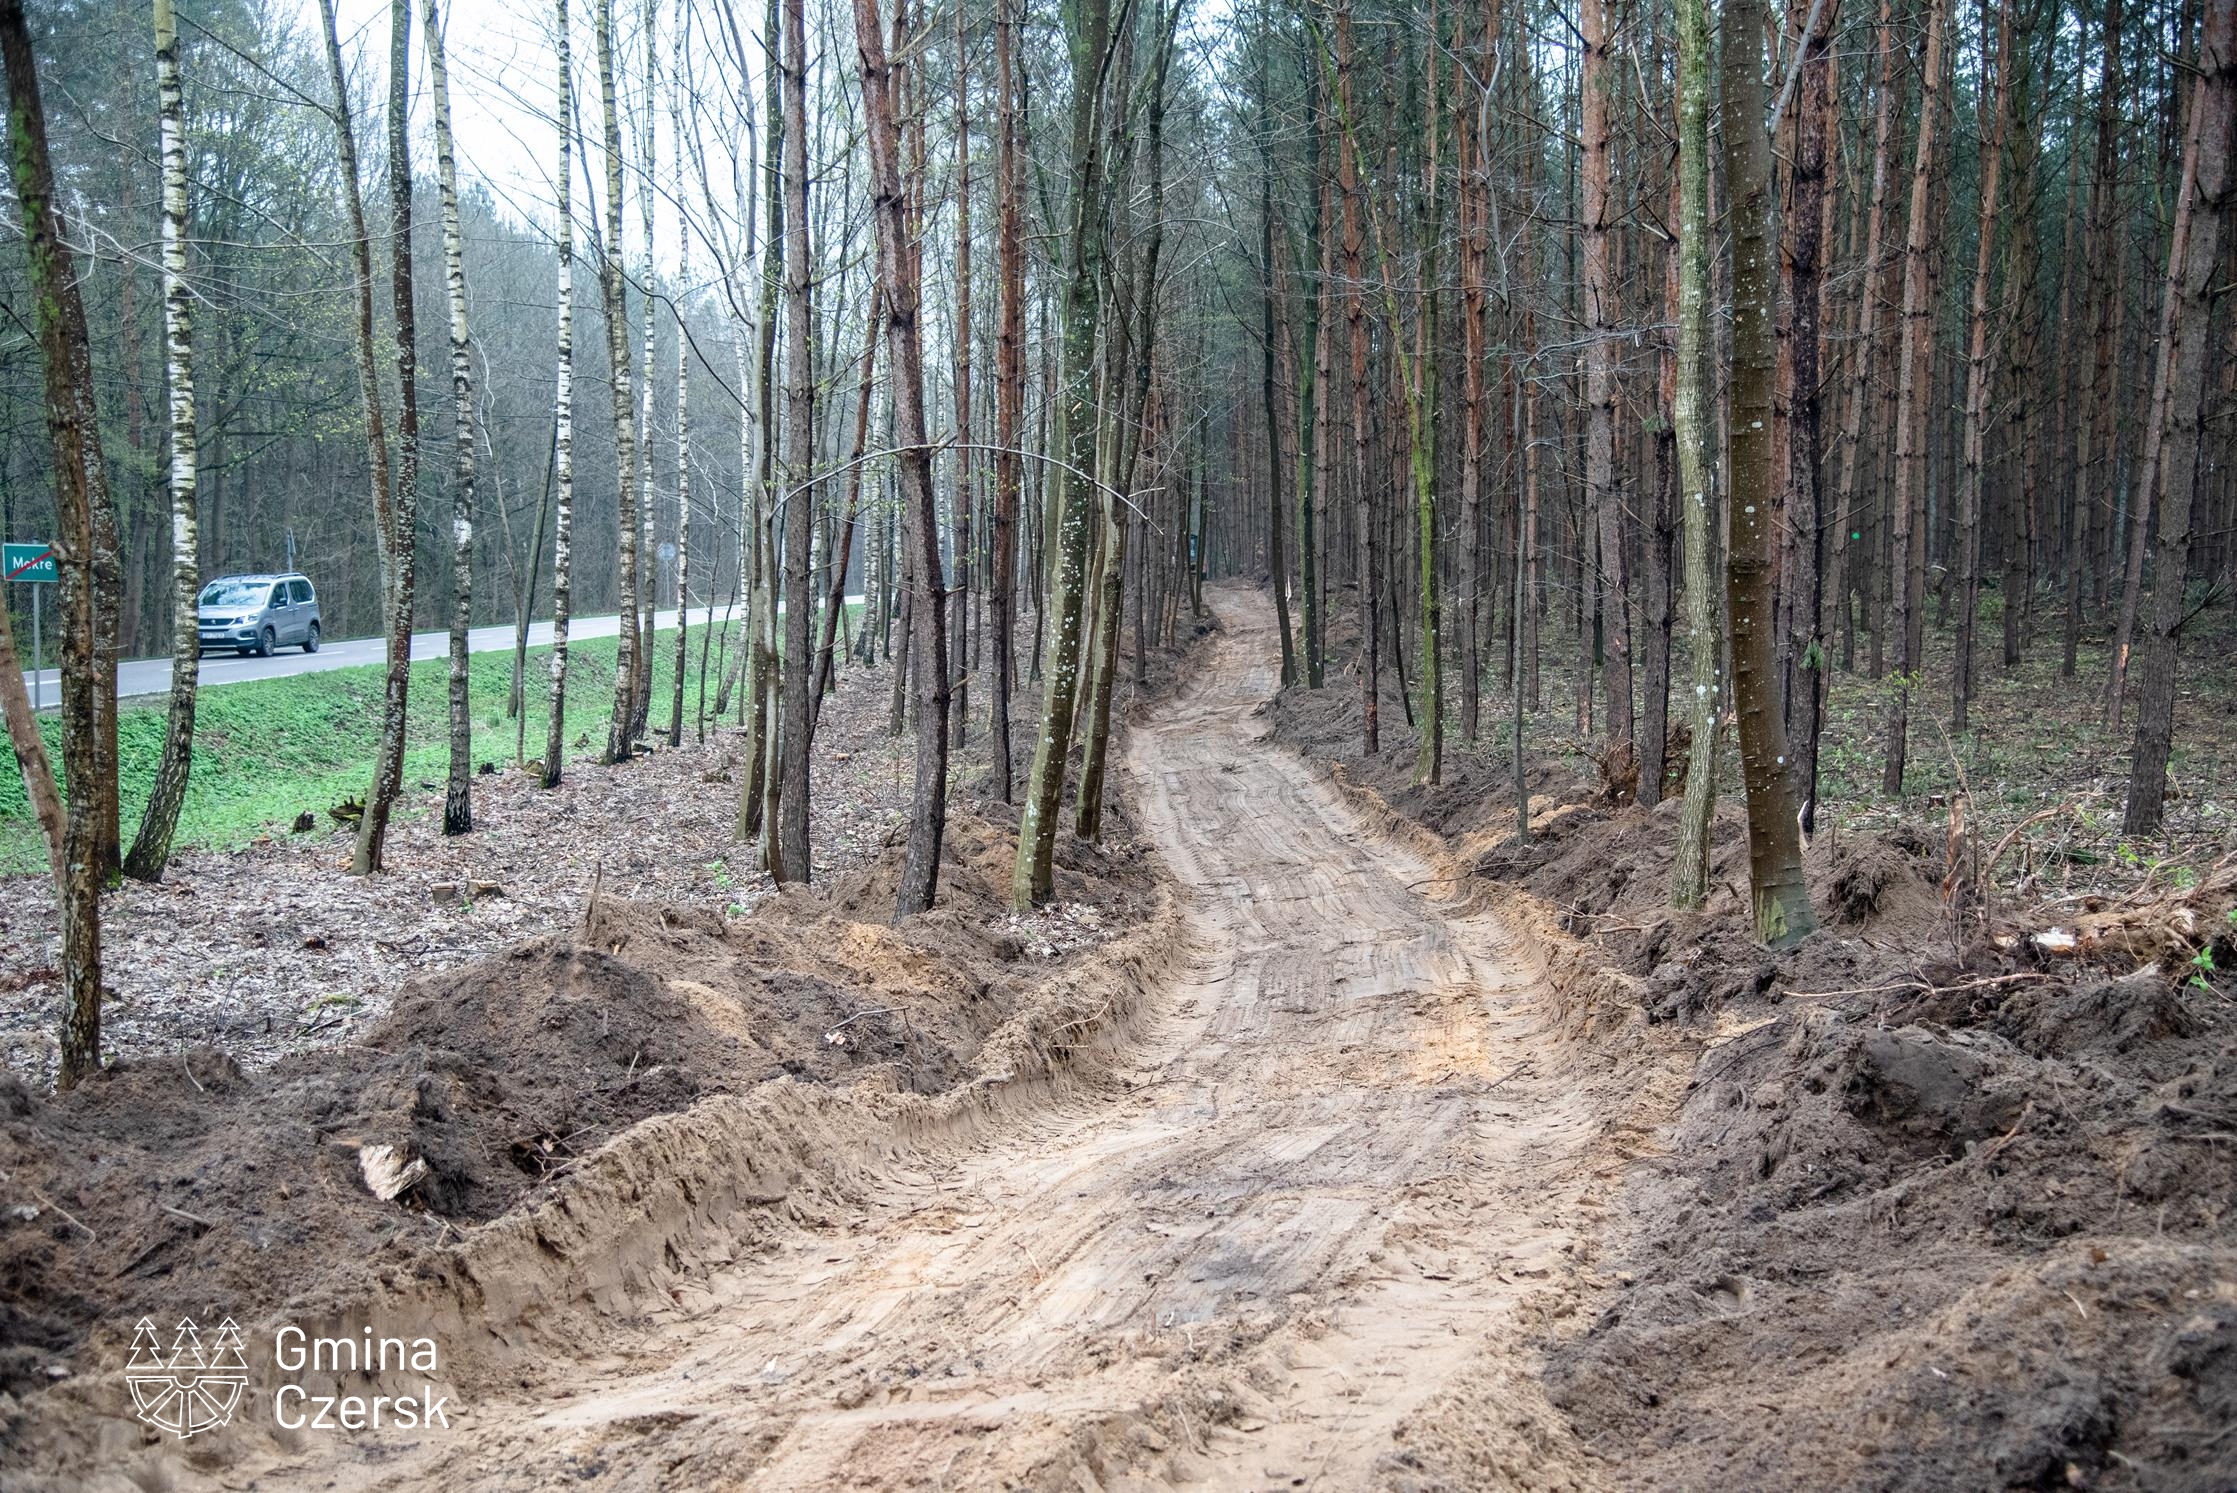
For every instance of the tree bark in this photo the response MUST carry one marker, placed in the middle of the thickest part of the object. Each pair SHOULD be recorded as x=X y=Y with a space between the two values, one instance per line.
x=74 y=450
x=620 y=735
x=2194 y=248
x=1087 y=33
x=1849 y=526
x=458 y=793
x=1689 y=875
x=386 y=518
x=1369 y=574
x=1781 y=897
x=792 y=857
x=563 y=420
x=897 y=274
x=1980 y=360
x=1009 y=398
x=1913 y=381
x=151 y=847
x=1601 y=492
x=1804 y=245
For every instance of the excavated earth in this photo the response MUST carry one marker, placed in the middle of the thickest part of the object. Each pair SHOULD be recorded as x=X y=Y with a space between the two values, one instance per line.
x=1337 y=1160
x=1278 y=1187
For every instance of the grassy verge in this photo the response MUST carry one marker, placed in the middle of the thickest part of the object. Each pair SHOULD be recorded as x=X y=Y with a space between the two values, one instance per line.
x=267 y=749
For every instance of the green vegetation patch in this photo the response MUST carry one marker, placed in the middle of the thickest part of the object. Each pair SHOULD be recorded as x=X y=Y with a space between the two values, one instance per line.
x=267 y=749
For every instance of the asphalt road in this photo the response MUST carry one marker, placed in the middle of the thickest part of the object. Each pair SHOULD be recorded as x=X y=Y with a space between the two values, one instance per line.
x=152 y=676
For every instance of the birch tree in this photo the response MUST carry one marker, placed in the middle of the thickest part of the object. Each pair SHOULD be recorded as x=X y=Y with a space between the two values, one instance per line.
x=620 y=733
x=563 y=411
x=151 y=847
x=458 y=792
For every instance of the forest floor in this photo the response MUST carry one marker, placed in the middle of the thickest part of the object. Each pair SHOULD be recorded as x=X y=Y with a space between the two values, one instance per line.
x=1353 y=1147
x=1946 y=1198
x=263 y=943
x=269 y=749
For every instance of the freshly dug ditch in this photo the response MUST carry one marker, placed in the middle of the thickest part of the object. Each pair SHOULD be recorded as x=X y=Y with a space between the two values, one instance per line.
x=516 y=1090
x=1937 y=1209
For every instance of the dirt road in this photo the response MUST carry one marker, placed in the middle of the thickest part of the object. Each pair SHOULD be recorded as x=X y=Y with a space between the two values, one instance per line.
x=1295 y=1235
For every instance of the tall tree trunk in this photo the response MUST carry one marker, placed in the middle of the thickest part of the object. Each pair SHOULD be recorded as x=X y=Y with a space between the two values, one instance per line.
x=2194 y=249
x=1138 y=348
x=458 y=793
x=1806 y=519
x=1781 y=897
x=563 y=420
x=1601 y=492
x=1980 y=360
x=897 y=274
x=760 y=694
x=2095 y=427
x=683 y=425
x=1369 y=574
x=1270 y=288
x=386 y=517
x=648 y=553
x=1087 y=34
x=620 y=734
x=791 y=842
x=1312 y=350
x=151 y=847
x=835 y=598
x=966 y=496
x=1689 y=875
x=1009 y=397
x=1471 y=184
x=1849 y=527
x=1913 y=380
x=80 y=475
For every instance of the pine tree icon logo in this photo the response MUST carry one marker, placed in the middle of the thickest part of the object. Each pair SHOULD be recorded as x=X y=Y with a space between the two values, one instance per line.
x=191 y=1389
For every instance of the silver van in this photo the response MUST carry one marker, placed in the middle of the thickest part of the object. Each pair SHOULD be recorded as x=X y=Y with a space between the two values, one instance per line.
x=258 y=613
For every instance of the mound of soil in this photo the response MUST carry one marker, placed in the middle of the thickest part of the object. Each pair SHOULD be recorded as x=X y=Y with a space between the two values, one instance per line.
x=1937 y=1209
x=169 y=1185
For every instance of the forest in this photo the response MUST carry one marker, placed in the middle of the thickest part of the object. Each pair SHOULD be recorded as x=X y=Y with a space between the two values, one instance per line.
x=1737 y=502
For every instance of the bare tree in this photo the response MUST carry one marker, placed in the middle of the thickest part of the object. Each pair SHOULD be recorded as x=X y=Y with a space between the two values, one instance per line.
x=1599 y=291
x=563 y=416
x=391 y=509
x=1913 y=382
x=151 y=847
x=897 y=279
x=1087 y=35
x=620 y=735
x=2194 y=248
x=74 y=447
x=458 y=791
x=791 y=859
x=1689 y=874
x=1781 y=897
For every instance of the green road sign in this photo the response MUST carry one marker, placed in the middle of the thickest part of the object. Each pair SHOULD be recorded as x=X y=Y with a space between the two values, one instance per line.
x=28 y=562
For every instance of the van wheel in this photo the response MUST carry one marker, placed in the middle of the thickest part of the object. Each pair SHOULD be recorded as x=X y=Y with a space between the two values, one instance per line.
x=310 y=639
x=264 y=644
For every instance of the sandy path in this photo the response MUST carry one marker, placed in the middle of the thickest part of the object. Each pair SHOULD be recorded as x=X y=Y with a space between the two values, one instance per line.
x=1290 y=1241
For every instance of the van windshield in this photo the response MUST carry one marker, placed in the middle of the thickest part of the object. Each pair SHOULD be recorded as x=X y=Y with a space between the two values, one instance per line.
x=234 y=592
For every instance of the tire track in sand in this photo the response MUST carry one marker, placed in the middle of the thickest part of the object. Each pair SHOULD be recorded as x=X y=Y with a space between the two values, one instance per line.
x=1298 y=1237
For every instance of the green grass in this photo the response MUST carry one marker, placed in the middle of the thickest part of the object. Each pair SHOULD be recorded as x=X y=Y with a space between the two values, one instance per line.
x=268 y=749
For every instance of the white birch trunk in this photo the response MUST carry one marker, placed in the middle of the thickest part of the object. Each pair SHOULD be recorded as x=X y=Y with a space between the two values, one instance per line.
x=458 y=793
